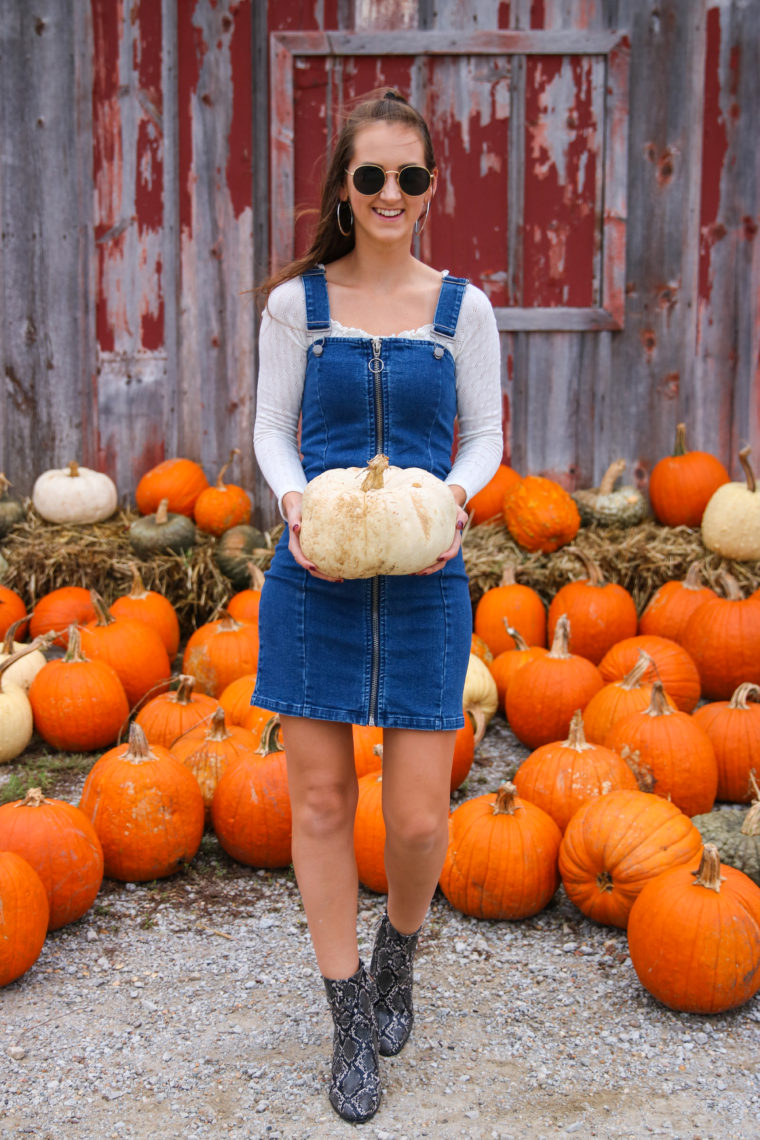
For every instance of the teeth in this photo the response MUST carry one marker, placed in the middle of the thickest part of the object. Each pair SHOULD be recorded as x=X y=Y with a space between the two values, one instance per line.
x=389 y=213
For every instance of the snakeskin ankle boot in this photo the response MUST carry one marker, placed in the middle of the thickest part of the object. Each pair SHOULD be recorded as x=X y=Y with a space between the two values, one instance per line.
x=391 y=969
x=355 y=1088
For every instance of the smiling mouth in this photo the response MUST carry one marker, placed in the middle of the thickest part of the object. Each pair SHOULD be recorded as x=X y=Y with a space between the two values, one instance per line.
x=388 y=213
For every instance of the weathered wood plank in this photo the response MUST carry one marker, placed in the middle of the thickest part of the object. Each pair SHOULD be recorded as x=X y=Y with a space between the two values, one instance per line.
x=47 y=411
x=485 y=42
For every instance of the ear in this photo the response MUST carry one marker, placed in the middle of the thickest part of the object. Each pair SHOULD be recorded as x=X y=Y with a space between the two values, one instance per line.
x=434 y=182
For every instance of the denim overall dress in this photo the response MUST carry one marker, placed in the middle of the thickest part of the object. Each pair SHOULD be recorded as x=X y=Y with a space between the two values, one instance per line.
x=391 y=650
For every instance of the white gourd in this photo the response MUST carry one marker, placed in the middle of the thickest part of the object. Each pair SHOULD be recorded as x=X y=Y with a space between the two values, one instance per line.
x=357 y=522
x=481 y=696
x=16 y=719
x=731 y=522
x=75 y=495
x=23 y=671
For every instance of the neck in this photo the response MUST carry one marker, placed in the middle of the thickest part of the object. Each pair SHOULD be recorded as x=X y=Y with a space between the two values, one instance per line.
x=376 y=268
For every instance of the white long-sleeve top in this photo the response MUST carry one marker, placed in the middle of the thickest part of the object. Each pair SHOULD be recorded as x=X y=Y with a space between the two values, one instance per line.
x=283 y=344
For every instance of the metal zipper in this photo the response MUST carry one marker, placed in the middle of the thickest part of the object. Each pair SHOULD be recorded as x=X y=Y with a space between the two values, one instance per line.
x=376 y=367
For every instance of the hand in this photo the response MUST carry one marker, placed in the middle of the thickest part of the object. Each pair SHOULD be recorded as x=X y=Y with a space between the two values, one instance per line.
x=453 y=550
x=291 y=503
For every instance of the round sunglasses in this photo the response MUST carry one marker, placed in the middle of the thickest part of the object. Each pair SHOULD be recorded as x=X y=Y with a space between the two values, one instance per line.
x=370 y=179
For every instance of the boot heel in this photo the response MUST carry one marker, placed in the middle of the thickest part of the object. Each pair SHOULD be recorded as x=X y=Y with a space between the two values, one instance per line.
x=355 y=1087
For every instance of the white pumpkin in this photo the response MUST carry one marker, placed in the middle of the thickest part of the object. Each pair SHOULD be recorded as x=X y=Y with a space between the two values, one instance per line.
x=731 y=522
x=16 y=720
x=357 y=522
x=481 y=696
x=23 y=671
x=75 y=495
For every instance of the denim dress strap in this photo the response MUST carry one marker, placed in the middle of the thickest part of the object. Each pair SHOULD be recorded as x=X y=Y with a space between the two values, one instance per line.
x=449 y=304
x=317 y=303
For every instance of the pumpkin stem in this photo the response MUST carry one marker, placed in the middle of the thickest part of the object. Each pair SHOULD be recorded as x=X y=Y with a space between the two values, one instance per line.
x=708 y=873
x=693 y=579
x=33 y=798
x=104 y=616
x=226 y=621
x=508 y=575
x=74 y=648
x=271 y=737
x=10 y=638
x=746 y=691
x=217 y=730
x=642 y=772
x=73 y=469
x=504 y=804
x=658 y=704
x=138 y=749
x=219 y=484
x=730 y=586
x=679 y=447
x=611 y=475
x=748 y=472
x=256 y=575
x=643 y=664
x=751 y=825
x=185 y=688
x=593 y=570
x=161 y=516
x=137 y=589
x=561 y=638
x=373 y=480
x=517 y=637
x=479 y=723
x=576 y=736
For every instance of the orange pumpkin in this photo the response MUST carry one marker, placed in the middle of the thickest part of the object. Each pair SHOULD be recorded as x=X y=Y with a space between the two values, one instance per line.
x=480 y=649
x=58 y=840
x=722 y=636
x=24 y=913
x=671 y=606
x=133 y=649
x=486 y=505
x=244 y=606
x=224 y=505
x=501 y=860
x=734 y=731
x=251 y=807
x=235 y=698
x=220 y=651
x=600 y=613
x=615 y=844
x=544 y=694
x=368 y=748
x=60 y=609
x=152 y=608
x=618 y=699
x=78 y=704
x=682 y=484
x=673 y=747
x=562 y=776
x=540 y=514
x=510 y=604
x=467 y=737
x=178 y=480
x=207 y=750
x=369 y=834
x=694 y=936
x=12 y=609
x=146 y=808
x=510 y=661
x=669 y=663
x=168 y=716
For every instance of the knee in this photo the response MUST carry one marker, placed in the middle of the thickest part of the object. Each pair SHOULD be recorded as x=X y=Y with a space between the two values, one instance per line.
x=323 y=809
x=419 y=833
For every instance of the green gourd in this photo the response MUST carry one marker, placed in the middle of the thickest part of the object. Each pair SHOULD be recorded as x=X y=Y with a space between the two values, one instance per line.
x=162 y=532
x=604 y=506
x=737 y=833
x=234 y=550
x=11 y=509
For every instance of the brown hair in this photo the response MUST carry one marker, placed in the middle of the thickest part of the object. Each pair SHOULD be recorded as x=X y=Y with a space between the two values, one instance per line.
x=328 y=244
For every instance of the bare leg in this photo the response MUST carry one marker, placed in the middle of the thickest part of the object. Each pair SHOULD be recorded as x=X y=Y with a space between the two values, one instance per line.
x=416 y=794
x=323 y=796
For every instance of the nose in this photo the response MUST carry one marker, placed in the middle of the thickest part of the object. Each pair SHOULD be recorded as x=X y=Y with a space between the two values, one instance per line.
x=391 y=188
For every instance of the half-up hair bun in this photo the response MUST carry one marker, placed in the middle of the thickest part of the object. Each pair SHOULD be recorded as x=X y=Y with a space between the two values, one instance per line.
x=392 y=93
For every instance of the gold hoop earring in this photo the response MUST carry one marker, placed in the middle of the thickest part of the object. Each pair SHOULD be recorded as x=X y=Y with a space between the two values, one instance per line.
x=345 y=233
x=417 y=227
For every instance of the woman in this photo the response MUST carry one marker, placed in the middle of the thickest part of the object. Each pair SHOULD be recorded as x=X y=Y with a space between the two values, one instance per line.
x=375 y=352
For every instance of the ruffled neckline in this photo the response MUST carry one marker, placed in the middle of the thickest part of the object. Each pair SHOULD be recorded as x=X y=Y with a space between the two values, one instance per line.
x=407 y=334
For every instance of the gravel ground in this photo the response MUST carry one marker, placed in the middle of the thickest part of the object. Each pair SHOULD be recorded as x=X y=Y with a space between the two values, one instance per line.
x=192 y=1008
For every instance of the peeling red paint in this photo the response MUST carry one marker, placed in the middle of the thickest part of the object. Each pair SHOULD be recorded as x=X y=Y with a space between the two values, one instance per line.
x=715 y=148
x=537 y=14
x=238 y=175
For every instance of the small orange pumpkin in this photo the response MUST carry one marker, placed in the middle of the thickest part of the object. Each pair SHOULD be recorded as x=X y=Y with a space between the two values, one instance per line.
x=12 y=610
x=168 y=716
x=540 y=514
x=244 y=606
x=682 y=484
x=134 y=650
x=618 y=699
x=506 y=664
x=734 y=731
x=369 y=834
x=220 y=651
x=24 y=912
x=669 y=663
x=510 y=604
x=671 y=606
x=486 y=505
x=60 y=609
x=178 y=480
x=152 y=608
x=224 y=505
x=600 y=612
x=722 y=636
x=208 y=749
